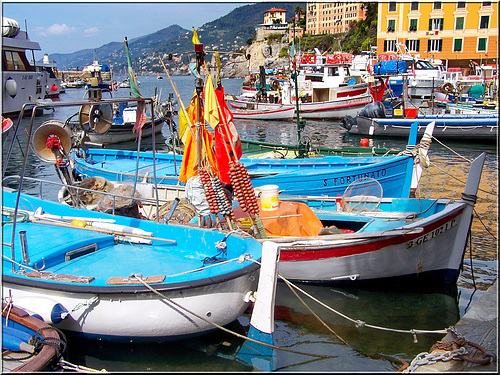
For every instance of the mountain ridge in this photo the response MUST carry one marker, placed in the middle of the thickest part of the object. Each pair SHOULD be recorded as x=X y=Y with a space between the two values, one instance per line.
x=227 y=34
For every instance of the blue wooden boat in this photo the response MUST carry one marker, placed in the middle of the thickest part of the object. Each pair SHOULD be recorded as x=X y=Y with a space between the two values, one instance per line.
x=28 y=343
x=330 y=175
x=374 y=121
x=120 y=278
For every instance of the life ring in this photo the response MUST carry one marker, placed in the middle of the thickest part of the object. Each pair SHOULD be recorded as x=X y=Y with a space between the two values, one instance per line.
x=448 y=88
x=275 y=85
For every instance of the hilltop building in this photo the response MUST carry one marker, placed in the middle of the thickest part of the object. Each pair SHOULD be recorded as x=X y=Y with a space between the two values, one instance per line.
x=453 y=32
x=332 y=18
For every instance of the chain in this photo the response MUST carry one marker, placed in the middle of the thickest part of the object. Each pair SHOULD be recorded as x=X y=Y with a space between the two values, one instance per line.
x=426 y=358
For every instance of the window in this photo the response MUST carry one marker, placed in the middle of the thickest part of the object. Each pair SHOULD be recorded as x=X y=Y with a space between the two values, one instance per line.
x=436 y=24
x=486 y=3
x=437 y=5
x=414 y=5
x=485 y=22
x=392 y=6
x=390 y=46
x=459 y=23
x=435 y=45
x=16 y=61
x=457 y=45
x=413 y=24
x=413 y=45
x=391 y=25
x=481 y=44
x=461 y=4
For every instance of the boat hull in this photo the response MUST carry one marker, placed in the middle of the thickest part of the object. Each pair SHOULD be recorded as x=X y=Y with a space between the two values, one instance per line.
x=284 y=113
x=474 y=127
x=192 y=286
x=123 y=133
x=311 y=176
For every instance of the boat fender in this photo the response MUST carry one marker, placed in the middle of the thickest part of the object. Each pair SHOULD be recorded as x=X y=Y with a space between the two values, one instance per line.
x=11 y=87
x=48 y=310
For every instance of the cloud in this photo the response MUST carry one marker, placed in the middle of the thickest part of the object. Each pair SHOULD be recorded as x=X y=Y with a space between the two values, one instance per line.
x=63 y=29
x=91 y=32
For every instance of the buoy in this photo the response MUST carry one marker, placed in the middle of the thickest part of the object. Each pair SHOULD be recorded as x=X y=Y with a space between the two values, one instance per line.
x=54 y=88
x=364 y=142
x=49 y=310
x=6 y=123
x=79 y=223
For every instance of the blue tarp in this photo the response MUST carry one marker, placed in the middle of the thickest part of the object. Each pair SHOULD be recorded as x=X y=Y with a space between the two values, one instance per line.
x=389 y=67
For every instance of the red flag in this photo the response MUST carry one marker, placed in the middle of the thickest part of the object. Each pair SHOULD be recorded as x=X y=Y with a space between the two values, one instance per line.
x=227 y=141
x=140 y=117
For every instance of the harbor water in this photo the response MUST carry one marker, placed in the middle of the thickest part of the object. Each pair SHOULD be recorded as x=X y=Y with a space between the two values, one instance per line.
x=338 y=343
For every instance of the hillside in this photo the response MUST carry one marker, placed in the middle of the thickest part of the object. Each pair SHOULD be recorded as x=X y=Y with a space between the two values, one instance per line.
x=227 y=34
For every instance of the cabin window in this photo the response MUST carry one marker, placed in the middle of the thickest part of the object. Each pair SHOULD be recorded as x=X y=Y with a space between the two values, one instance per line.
x=333 y=71
x=391 y=25
x=457 y=45
x=481 y=44
x=413 y=24
x=414 y=5
x=14 y=61
x=485 y=22
x=435 y=45
x=413 y=45
x=459 y=23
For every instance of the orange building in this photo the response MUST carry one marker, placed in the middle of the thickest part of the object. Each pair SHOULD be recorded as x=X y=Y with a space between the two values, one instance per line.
x=454 y=32
x=332 y=18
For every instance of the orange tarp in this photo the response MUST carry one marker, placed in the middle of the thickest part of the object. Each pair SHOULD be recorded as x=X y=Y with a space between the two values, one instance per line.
x=292 y=219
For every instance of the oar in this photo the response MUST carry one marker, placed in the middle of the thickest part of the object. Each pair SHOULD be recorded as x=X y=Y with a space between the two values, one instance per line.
x=105 y=231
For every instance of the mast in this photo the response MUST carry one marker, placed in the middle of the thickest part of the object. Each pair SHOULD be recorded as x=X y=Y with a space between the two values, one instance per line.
x=300 y=123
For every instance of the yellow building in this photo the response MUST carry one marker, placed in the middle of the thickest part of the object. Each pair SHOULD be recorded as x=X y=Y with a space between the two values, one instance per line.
x=452 y=31
x=332 y=18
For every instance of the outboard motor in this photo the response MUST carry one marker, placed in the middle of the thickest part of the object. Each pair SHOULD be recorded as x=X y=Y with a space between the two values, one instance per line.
x=373 y=110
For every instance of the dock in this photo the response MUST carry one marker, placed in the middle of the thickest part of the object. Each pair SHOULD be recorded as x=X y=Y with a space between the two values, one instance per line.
x=479 y=328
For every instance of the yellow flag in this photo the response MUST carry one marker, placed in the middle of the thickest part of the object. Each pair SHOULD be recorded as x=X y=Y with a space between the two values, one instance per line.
x=211 y=110
x=195 y=37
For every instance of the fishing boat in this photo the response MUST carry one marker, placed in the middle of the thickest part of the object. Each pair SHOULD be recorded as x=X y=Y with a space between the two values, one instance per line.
x=21 y=83
x=364 y=237
x=50 y=80
x=252 y=112
x=28 y=343
x=374 y=121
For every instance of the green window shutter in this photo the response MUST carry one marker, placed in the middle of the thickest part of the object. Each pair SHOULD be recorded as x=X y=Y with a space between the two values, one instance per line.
x=459 y=24
x=430 y=24
x=440 y=45
x=457 y=47
x=385 y=45
x=429 y=45
x=418 y=45
x=481 y=45
x=441 y=24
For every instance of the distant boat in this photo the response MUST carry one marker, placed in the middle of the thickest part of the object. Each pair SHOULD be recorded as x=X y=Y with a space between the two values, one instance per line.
x=21 y=83
x=51 y=83
x=159 y=77
x=374 y=121
x=253 y=112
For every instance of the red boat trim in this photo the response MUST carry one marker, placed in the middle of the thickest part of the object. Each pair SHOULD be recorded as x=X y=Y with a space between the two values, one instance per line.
x=336 y=107
x=303 y=253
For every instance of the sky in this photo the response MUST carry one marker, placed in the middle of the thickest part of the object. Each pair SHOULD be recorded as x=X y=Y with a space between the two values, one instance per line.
x=66 y=27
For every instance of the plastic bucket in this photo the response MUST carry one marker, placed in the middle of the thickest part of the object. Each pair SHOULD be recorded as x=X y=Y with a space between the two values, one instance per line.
x=269 y=197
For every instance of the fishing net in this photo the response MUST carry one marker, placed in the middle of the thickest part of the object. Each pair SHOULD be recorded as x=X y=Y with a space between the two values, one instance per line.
x=122 y=201
x=364 y=194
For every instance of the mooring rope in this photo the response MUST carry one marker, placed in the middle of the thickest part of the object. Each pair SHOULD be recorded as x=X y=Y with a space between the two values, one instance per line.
x=226 y=329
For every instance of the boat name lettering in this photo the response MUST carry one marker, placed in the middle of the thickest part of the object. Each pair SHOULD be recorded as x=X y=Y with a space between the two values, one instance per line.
x=345 y=180
x=435 y=233
x=27 y=77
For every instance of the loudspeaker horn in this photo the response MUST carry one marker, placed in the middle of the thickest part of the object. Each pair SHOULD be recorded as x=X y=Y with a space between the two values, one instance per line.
x=96 y=117
x=44 y=132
